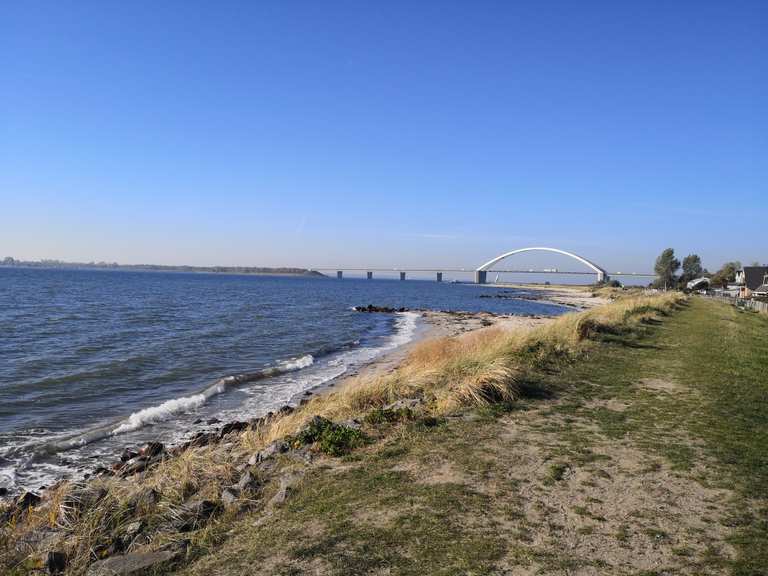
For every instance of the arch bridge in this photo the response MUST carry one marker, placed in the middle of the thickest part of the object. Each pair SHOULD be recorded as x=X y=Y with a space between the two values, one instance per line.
x=482 y=272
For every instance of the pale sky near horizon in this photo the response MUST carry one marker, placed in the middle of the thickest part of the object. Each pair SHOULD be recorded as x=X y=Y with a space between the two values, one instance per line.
x=383 y=134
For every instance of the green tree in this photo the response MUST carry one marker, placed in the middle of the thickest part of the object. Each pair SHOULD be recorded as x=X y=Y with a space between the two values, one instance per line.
x=691 y=268
x=666 y=267
x=726 y=275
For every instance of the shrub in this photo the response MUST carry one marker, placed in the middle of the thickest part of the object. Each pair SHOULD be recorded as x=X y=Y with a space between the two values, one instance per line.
x=333 y=439
x=339 y=440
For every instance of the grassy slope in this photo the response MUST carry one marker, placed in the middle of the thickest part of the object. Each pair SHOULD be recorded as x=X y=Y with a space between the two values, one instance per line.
x=679 y=413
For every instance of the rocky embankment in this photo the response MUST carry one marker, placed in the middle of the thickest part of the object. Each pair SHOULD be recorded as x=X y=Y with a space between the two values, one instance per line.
x=117 y=521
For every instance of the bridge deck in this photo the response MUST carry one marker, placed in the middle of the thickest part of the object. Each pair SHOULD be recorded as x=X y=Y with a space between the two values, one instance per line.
x=472 y=270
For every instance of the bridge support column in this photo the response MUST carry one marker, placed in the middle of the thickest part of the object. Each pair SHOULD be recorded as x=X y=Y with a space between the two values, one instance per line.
x=602 y=277
x=481 y=276
x=339 y=274
x=369 y=275
x=439 y=276
x=402 y=275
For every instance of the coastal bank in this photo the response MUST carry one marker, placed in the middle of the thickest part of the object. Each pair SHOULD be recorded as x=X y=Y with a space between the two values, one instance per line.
x=602 y=442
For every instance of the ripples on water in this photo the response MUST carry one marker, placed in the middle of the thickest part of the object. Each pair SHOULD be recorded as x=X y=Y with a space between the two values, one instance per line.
x=93 y=361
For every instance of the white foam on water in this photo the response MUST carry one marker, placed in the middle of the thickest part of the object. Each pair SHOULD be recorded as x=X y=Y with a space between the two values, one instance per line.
x=298 y=363
x=288 y=379
x=287 y=388
x=168 y=409
x=159 y=413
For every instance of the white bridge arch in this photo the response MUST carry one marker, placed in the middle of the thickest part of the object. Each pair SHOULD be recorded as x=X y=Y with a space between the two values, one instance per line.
x=481 y=272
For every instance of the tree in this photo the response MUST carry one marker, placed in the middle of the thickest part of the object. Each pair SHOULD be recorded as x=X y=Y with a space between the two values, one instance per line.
x=691 y=268
x=726 y=275
x=665 y=268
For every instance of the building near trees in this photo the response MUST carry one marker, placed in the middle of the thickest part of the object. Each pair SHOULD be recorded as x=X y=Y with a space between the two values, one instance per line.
x=752 y=281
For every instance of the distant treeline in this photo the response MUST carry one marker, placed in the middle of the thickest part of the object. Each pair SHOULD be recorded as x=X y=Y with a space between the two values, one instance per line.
x=8 y=261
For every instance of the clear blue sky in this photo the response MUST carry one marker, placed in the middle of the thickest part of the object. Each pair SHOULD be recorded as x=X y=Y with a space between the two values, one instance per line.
x=387 y=133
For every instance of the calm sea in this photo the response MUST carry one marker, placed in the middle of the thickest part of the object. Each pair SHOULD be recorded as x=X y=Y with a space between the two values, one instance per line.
x=94 y=361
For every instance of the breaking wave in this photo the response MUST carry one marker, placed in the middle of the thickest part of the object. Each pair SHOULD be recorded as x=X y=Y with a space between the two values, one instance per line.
x=169 y=408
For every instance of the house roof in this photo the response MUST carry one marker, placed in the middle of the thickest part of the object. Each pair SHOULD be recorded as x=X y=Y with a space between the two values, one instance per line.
x=754 y=275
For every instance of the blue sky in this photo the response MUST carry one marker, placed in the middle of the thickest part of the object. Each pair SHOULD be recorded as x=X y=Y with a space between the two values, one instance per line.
x=389 y=133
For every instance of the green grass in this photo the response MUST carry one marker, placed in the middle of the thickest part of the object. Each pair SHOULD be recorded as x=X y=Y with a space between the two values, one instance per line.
x=717 y=358
x=703 y=417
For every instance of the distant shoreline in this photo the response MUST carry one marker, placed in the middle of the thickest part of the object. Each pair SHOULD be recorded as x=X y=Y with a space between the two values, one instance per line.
x=250 y=270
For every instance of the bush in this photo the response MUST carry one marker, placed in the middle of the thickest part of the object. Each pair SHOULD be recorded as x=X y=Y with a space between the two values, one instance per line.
x=333 y=439
x=340 y=440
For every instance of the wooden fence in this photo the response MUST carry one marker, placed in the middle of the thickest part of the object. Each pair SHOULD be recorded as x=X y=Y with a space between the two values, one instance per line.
x=755 y=305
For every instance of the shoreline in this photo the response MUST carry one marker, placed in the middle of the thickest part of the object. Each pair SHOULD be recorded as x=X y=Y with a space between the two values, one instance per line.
x=431 y=325
x=170 y=505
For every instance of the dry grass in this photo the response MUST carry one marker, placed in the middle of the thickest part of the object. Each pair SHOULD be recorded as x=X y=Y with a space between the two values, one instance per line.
x=478 y=368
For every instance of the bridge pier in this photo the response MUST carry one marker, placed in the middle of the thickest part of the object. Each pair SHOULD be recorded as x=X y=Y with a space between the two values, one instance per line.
x=439 y=276
x=402 y=275
x=339 y=274
x=481 y=276
x=369 y=275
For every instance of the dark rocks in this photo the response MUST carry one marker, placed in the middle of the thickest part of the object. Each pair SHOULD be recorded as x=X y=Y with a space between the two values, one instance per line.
x=213 y=421
x=147 y=456
x=201 y=439
x=42 y=538
x=136 y=563
x=248 y=482
x=195 y=513
x=138 y=464
x=3 y=491
x=232 y=427
x=384 y=309
x=144 y=501
x=101 y=471
x=229 y=496
x=128 y=454
x=151 y=449
x=287 y=485
x=285 y=410
x=55 y=562
x=277 y=447
x=303 y=455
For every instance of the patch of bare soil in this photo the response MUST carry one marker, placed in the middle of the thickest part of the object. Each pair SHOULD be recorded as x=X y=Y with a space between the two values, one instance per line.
x=443 y=472
x=611 y=510
x=610 y=404
x=661 y=385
